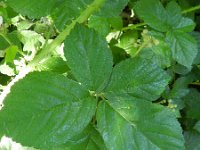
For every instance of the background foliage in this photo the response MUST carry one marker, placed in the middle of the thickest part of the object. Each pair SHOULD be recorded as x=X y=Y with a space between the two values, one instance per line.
x=100 y=74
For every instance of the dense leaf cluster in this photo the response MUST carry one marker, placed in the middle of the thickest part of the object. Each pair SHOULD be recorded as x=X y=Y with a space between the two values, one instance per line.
x=100 y=74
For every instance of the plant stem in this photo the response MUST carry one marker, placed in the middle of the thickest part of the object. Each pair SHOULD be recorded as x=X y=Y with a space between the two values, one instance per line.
x=61 y=37
x=141 y=47
x=134 y=26
x=191 y=9
x=6 y=38
x=195 y=83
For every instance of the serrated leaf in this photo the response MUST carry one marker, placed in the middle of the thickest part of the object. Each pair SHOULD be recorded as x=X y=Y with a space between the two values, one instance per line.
x=154 y=15
x=186 y=25
x=161 y=19
x=100 y=24
x=175 y=19
x=90 y=59
x=116 y=5
x=180 y=87
x=45 y=110
x=89 y=139
x=163 y=53
x=33 y=8
x=183 y=47
x=95 y=141
x=54 y=64
x=32 y=42
x=173 y=13
x=127 y=124
x=104 y=19
x=138 y=78
x=66 y=11
x=62 y=11
x=196 y=35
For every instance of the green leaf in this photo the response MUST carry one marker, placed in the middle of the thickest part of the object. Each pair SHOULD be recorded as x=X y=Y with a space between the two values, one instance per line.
x=128 y=42
x=95 y=141
x=183 y=47
x=180 y=87
x=196 y=35
x=192 y=139
x=89 y=139
x=45 y=110
x=100 y=24
x=174 y=13
x=153 y=13
x=32 y=42
x=62 y=11
x=138 y=78
x=186 y=25
x=160 y=54
x=192 y=102
x=175 y=19
x=11 y=52
x=54 y=64
x=178 y=91
x=127 y=124
x=104 y=19
x=90 y=59
x=116 y=5
x=66 y=11
x=197 y=126
x=161 y=19
x=33 y=8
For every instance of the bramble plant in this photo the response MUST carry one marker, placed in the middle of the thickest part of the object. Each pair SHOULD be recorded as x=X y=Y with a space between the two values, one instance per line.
x=100 y=74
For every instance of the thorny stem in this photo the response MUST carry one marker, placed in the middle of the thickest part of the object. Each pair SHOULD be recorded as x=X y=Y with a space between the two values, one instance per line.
x=136 y=26
x=195 y=83
x=61 y=37
x=191 y=9
x=52 y=46
x=82 y=18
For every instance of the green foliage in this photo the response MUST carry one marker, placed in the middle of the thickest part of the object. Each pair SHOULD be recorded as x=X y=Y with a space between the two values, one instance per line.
x=135 y=119
x=90 y=60
x=83 y=75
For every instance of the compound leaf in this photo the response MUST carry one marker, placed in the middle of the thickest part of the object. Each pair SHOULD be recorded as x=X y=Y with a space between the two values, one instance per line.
x=138 y=78
x=161 y=19
x=45 y=110
x=90 y=59
x=138 y=124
